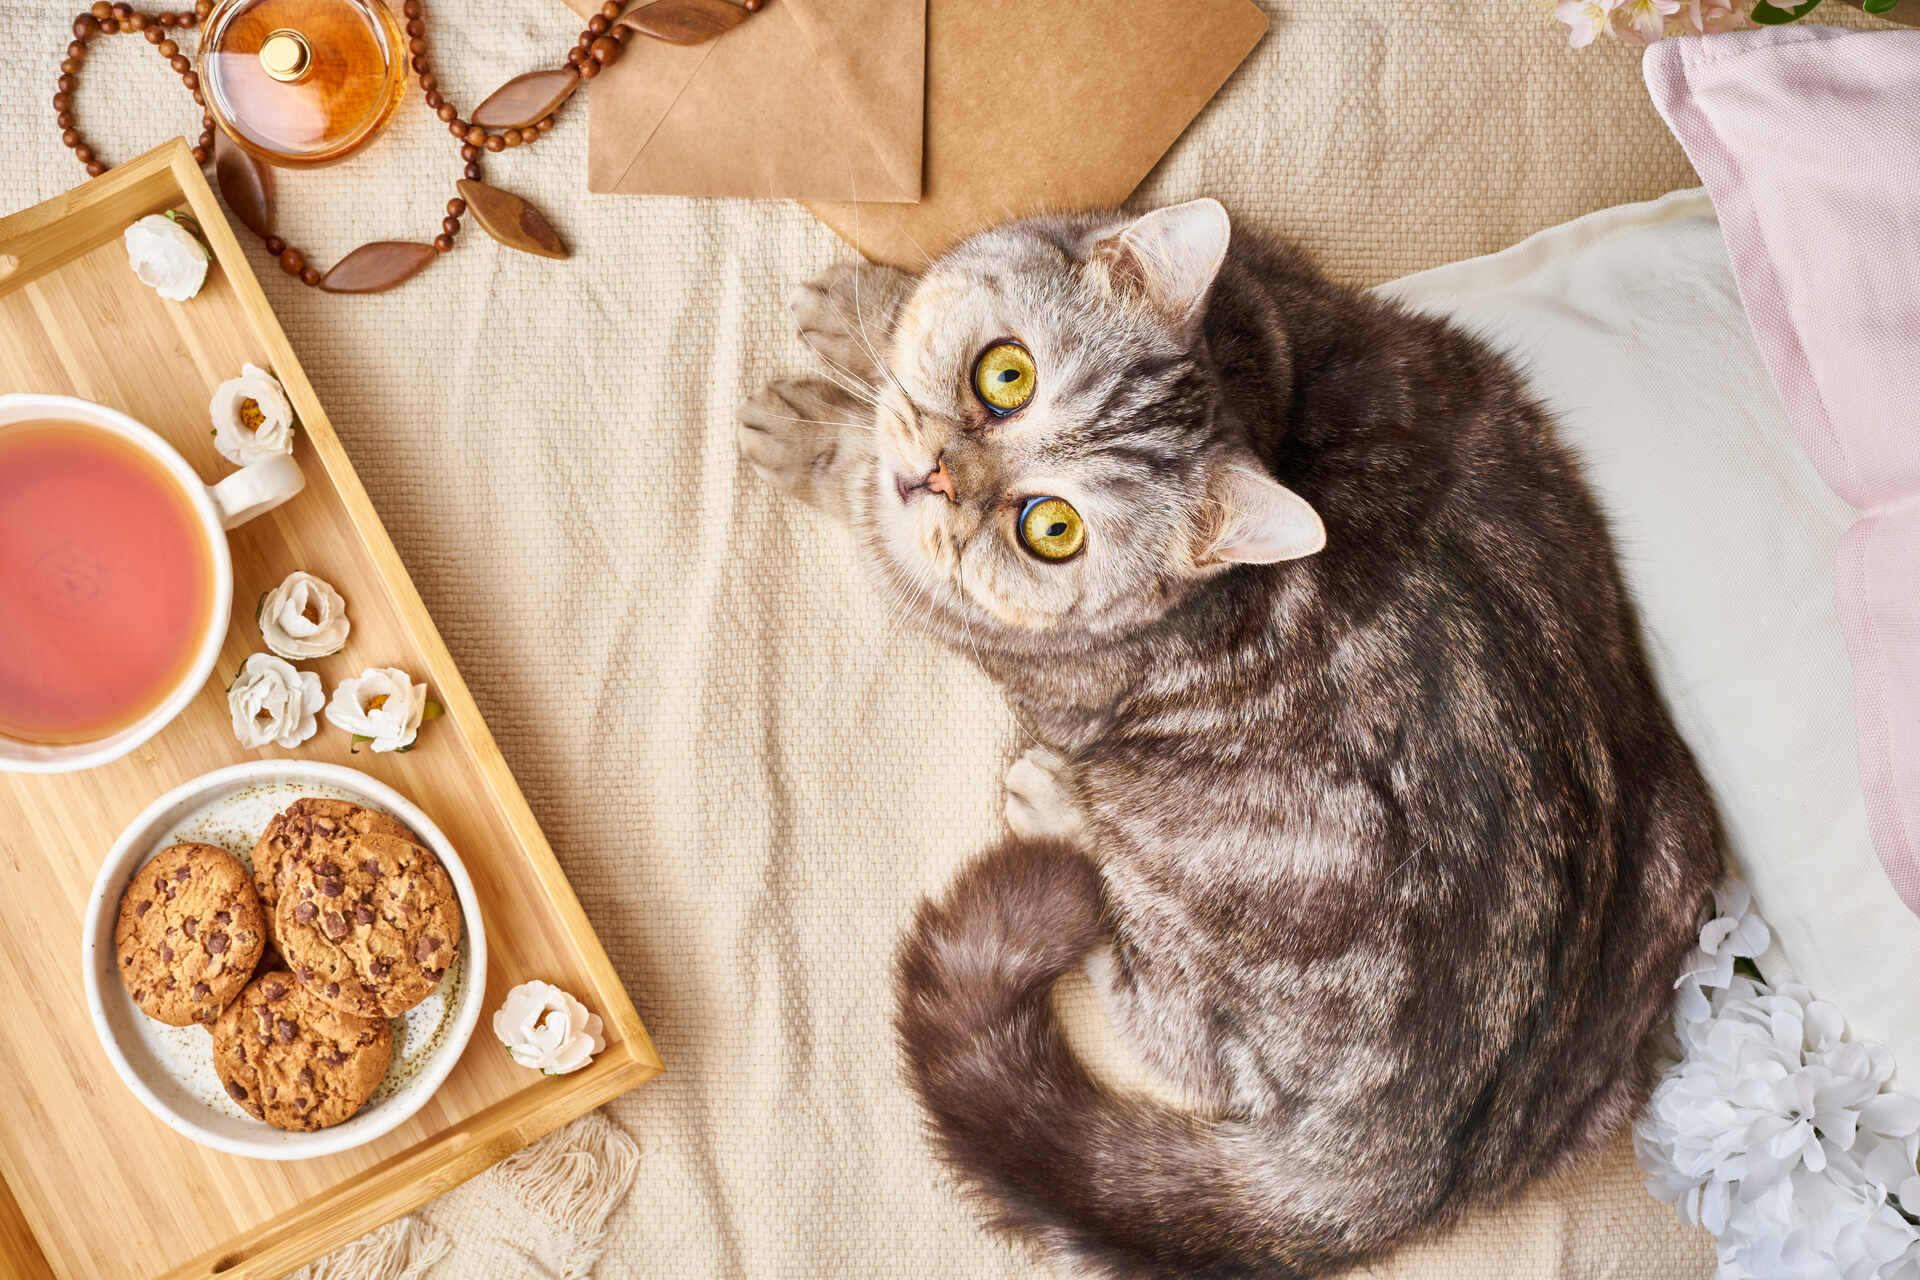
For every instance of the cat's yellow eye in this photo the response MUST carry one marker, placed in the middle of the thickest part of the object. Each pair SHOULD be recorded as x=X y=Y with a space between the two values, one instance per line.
x=1004 y=377
x=1051 y=528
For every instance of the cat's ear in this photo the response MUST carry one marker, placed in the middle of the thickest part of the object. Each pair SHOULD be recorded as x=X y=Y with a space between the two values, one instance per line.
x=1170 y=256
x=1258 y=520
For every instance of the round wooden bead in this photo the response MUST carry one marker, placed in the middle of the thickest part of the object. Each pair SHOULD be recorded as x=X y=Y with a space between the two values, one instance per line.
x=309 y=276
x=456 y=207
x=71 y=138
x=201 y=8
x=83 y=153
x=469 y=152
x=421 y=66
x=443 y=243
x=66 y=84
x=167 y=19
x=122 y=11
x=181 y=63
x=415 y=27
x=64 y=120
x=199 y=99
x=457 y=127
x=605 y=50
x=275 y=245
x=416 y=46
x=168 y=48
x=154 y=35
x=61 y=102
x=188 y=20
x=429 y=82
x=199 y=155
x=495 y=142
x=70 y=66
x=450 y=225
x=476 y=136
x=512 y=137
x=111 y=27
x=100 y=10
x=206 y=140
x=191 y=80
x=434 y=100
x=291 y=261
x=446 y=112
x=545 y=125
x=576 y=56
x=140 y=22
x=610 y=10
x=598 y=25
x=95 y=169
x=586 y=39
x=473 y=171
x=411 y=8
x=753 y=6
x=589 y=69
x=85 y=27
x=76 y=50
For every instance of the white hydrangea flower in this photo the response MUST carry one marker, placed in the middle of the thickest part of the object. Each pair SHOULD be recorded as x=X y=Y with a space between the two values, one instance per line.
x=382 y=705
x=166 y=256
x=546 y=1029
x=271 y=702
x=303 y=617
x=252 y=417
x=1772 y=1130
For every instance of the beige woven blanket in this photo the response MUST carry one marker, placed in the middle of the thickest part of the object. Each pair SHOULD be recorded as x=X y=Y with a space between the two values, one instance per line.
x=749 y=770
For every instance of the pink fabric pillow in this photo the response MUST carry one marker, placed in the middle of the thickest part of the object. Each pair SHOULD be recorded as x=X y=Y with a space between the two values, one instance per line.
x=1808 y=142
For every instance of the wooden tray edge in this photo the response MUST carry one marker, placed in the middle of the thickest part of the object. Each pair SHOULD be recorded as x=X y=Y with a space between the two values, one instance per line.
x=413 y=1177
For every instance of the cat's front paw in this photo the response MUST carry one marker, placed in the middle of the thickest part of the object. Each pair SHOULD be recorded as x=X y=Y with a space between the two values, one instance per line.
x=846 y=313
x=1038 y=804
x=804 y=437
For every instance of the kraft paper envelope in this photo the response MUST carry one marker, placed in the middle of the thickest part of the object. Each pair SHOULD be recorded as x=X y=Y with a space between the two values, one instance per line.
x=1048 y=104
x=809 y=99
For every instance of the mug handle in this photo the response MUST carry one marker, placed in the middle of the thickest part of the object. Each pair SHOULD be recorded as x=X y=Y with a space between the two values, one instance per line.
x=256 y=489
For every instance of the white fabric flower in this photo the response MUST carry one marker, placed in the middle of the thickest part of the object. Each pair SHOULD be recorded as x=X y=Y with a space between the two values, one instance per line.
x=547 y=1030
x=167 y=257
x=252 y=418
x=381 y=704
x=303 y=617
x=1772 y=1131
x=273 y=703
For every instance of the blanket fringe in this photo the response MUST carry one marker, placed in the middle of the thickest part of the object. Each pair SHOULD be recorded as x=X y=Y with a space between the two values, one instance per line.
x=575 y=1177
x=404 y=1249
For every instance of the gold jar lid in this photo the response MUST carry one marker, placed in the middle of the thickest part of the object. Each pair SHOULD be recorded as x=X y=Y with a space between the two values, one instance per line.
x=302 y=82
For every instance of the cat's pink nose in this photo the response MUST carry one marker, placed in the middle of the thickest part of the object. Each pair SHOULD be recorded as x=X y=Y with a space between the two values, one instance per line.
x=940 y=481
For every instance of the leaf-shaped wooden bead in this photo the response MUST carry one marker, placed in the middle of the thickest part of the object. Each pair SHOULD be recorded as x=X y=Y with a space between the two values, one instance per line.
x=511 y=220
x=526 y=100
x=685 y=21
x=377 y=267
x=246 y=183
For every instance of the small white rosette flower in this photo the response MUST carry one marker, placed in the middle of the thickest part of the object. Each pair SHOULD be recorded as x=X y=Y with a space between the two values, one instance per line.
x=252 y=417
x=273 y=703
x=166 y=256
x=304 y=617
x=545 y=1029
x=381 y=705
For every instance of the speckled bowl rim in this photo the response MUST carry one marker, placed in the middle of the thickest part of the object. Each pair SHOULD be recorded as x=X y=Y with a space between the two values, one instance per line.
x=131 y=851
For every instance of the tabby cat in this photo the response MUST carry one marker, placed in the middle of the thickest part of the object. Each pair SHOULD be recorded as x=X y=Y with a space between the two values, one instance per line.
x=1349 y=784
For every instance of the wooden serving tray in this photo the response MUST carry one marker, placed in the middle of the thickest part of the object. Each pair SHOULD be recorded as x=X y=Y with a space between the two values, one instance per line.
x=92 y=1186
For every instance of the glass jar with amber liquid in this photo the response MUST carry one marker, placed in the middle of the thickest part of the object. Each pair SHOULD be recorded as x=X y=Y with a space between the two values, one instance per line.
x=302 y=82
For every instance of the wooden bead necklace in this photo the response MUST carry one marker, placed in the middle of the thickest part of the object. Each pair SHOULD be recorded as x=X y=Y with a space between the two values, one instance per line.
x=515 y=115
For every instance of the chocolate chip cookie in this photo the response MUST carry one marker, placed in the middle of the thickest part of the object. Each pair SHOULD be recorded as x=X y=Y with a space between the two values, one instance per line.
x=313 y=827
x=372 y=929
x=190 y=931
x=294 y=1062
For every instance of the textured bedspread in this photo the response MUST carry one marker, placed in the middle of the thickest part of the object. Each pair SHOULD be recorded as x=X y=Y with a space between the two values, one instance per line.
x=749 y=770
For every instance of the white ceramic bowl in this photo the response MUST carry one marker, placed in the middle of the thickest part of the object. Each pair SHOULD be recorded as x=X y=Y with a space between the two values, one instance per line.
x=170 y=1068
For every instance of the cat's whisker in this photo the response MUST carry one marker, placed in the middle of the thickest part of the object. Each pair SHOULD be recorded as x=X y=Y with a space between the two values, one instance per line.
x=823 y=422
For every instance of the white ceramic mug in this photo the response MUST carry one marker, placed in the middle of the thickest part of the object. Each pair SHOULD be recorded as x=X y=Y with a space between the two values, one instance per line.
x=240 y=497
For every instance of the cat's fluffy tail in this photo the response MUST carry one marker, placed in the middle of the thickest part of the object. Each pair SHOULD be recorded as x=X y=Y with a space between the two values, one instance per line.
x=1119 y=1184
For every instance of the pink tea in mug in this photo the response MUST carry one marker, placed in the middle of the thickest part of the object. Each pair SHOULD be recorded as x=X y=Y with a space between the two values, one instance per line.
x=106 y=581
